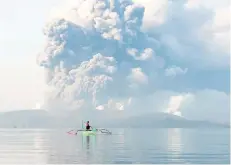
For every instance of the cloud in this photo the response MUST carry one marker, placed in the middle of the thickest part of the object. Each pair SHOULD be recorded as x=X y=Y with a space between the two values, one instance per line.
x=137 y=76
x=84 y=58
x=142 y=56
x=175 y=104
x=207 y=104
x=192 y=33
x=109 y=55
x=174 y=70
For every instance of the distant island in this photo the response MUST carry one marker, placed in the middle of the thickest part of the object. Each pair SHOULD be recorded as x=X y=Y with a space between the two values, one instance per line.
x=43 y=119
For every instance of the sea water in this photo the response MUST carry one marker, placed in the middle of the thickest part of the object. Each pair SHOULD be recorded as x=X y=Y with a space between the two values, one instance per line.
x=124 y=146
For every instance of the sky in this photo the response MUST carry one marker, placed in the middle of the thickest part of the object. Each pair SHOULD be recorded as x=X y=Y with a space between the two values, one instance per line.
x=168 y=56
x=22 y=80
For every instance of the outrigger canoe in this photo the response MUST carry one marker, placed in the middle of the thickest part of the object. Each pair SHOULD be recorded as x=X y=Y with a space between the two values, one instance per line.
x=93 y=132
x=90 y=132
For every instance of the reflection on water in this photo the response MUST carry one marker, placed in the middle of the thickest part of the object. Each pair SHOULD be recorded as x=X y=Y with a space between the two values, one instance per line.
x=39 y=145
x=175 y=144
x=24 y=146
x=123 y=146
x=88 y=143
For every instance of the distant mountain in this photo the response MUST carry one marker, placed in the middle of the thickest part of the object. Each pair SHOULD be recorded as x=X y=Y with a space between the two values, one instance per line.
x=25 y=118
x=43 y=119
x=163 y=120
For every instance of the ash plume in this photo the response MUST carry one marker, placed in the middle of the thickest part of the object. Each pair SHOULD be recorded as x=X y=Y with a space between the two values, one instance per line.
x=105 y=55
x=105 y=58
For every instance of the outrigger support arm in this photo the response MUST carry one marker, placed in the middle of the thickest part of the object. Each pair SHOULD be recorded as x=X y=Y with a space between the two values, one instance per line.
x=79 y=130
x=104 y=131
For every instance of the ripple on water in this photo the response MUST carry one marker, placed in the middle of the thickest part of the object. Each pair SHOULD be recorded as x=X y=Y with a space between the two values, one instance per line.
x=176 y=146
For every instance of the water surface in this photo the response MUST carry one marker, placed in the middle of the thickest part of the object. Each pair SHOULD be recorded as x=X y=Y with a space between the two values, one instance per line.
x=124 y=146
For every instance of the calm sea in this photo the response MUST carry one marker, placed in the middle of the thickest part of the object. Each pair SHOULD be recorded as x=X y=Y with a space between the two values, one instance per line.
x=124 y=146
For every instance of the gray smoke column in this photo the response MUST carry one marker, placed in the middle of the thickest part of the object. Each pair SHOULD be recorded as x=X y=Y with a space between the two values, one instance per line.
x=98 y=57
x=109 y=55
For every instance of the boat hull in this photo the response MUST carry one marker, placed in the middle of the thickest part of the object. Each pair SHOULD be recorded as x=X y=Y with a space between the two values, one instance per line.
x=89 y=133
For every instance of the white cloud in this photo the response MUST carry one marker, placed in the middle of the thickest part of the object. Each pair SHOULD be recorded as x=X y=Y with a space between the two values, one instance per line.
x=192 y=31
x=138 y=76
x=217 y=30
x=175 y=103
x=221 y=28
x=147 y=54
x=208 y=105
x=204 y=104
x=174 y=71
x=155 y=12
x=100 y=107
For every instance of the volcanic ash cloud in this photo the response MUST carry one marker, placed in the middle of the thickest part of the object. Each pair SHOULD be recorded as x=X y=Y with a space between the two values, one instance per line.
x=96 y=55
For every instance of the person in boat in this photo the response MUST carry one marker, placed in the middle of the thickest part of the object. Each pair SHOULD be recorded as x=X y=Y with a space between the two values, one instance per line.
x=88 y=127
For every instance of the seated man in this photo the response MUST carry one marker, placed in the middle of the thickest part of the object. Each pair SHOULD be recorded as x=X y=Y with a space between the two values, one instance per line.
x=88 y=126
